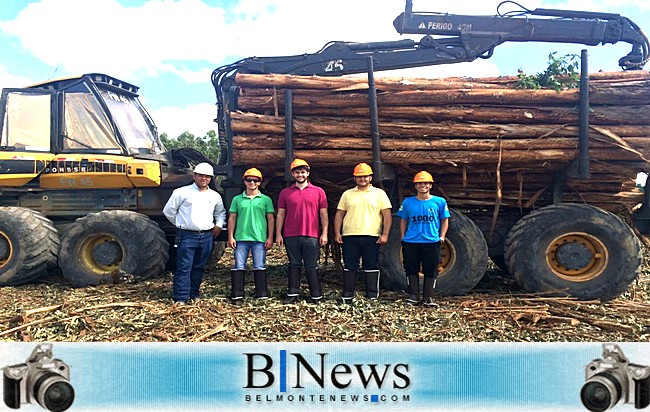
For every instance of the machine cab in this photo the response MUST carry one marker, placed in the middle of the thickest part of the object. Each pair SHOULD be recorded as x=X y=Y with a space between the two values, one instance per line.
x=93 y=125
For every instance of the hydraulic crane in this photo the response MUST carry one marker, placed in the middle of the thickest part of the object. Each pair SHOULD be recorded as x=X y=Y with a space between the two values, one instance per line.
x=458 y=38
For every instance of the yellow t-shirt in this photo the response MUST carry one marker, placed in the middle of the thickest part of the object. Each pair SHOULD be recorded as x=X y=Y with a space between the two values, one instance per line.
x=363 y=211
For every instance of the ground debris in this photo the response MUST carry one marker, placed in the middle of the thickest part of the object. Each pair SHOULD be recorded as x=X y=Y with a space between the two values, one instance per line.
x=495 y=311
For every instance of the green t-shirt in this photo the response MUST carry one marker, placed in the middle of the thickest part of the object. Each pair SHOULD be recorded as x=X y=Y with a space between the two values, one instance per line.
x=251 y=217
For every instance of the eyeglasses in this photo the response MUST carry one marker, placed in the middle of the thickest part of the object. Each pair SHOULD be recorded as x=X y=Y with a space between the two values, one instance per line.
x=252 y=180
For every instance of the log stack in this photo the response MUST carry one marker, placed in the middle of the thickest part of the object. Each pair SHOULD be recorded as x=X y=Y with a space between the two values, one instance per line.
x=484 y=141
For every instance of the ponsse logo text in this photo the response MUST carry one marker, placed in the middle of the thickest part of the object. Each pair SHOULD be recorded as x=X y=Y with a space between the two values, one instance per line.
x=299 y=379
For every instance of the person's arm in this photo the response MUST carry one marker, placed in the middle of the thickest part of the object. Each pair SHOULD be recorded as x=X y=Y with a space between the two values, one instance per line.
x=171 y=208
x=219 y=214
x=232 y=224
x=279 y=222
x=387 y=220
x=270 y=223
x=403 y=225
x=444 y=226
x=338 y=224
x=324 y=223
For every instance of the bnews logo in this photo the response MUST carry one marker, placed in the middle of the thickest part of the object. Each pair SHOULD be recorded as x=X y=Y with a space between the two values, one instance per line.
x=294 y=373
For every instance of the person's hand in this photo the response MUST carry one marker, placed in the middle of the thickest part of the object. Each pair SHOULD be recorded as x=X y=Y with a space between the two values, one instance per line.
x=268 y=244
x=323 y=240
x=383 y=239
x=215 y=231
x=442 y=239
x=338 y=239
x=279 y=240
x=232 y=243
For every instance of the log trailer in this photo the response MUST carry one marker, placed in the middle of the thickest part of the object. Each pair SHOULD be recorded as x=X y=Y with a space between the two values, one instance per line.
x=551 y=241
x=83 y=180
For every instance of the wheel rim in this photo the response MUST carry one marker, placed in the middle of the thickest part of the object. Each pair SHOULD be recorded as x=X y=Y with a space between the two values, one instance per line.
x=447 y=257
x=577 y=257
x=6 y=249
x=101 y=253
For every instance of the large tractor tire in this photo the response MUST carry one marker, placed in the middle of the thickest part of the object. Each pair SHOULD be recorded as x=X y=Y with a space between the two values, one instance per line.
x=107 y=246
x=463 y=258
x=218 y=249
x=573 y=250
x=496 y=238
x=28 y=245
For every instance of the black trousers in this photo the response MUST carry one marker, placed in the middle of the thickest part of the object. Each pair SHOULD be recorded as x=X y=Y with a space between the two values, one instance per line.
x=357 y=247
x=423 y=257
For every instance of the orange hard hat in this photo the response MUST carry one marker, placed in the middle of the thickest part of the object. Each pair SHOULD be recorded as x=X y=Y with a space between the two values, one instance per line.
x=423 y=177
x=362 y=169
x=253 y=172
x=298 y=163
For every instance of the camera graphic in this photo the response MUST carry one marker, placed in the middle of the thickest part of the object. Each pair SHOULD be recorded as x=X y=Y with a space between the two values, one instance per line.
x=40 y=379
x=613 y=380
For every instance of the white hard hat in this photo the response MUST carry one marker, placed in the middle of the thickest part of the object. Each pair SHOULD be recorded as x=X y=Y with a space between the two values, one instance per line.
x=204 y=169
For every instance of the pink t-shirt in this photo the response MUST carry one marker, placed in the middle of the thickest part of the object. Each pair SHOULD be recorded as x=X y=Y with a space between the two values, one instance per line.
x=302 y=210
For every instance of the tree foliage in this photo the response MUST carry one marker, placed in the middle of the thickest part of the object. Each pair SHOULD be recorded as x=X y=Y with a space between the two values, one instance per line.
x=208 y=144
x=561 y=73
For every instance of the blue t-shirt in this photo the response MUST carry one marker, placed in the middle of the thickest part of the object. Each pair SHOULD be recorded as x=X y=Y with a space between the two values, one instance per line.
x=423 y=218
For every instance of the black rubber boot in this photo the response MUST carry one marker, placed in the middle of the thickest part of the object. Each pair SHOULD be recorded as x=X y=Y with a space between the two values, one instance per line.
x=237 y=282
x=293 y=292
x=314 y=285
x=372 y=284
x=427 y=294
x=349 y=283
x=413 y=290
x=261 y=290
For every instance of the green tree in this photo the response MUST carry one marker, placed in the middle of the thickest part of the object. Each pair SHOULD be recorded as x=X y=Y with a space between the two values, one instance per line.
x=561 y=73
x=208 y=144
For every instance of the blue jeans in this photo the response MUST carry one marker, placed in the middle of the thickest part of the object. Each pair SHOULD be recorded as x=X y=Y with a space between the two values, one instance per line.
x=256 y=249
x=192 y=255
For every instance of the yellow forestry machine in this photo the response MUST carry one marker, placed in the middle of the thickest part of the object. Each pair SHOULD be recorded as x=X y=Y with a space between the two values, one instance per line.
x=83 y=180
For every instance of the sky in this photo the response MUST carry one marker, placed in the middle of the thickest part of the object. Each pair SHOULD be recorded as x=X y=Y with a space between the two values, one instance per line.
x=169 y=48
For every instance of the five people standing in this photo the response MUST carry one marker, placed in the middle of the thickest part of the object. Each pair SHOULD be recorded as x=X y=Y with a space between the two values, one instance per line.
x=361 y=225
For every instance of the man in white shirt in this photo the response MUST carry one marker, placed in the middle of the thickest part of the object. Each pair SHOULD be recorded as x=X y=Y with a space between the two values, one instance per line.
x=198 y=213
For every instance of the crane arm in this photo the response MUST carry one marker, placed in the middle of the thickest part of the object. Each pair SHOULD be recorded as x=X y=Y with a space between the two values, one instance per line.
x=458 y=38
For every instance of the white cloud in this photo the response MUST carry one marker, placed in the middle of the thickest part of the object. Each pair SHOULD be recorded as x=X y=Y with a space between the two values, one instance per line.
x=81 y=36
x=166 y=36
x=196 y=119
x=11 y=80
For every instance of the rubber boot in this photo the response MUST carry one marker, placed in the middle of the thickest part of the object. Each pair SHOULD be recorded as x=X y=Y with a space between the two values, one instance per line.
x=372 y=284
x=237 y=282
x=349 y=283
x=314 y=285
x=413 y=290
x=261 y=290
x=427 y=294
x=293 y=293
